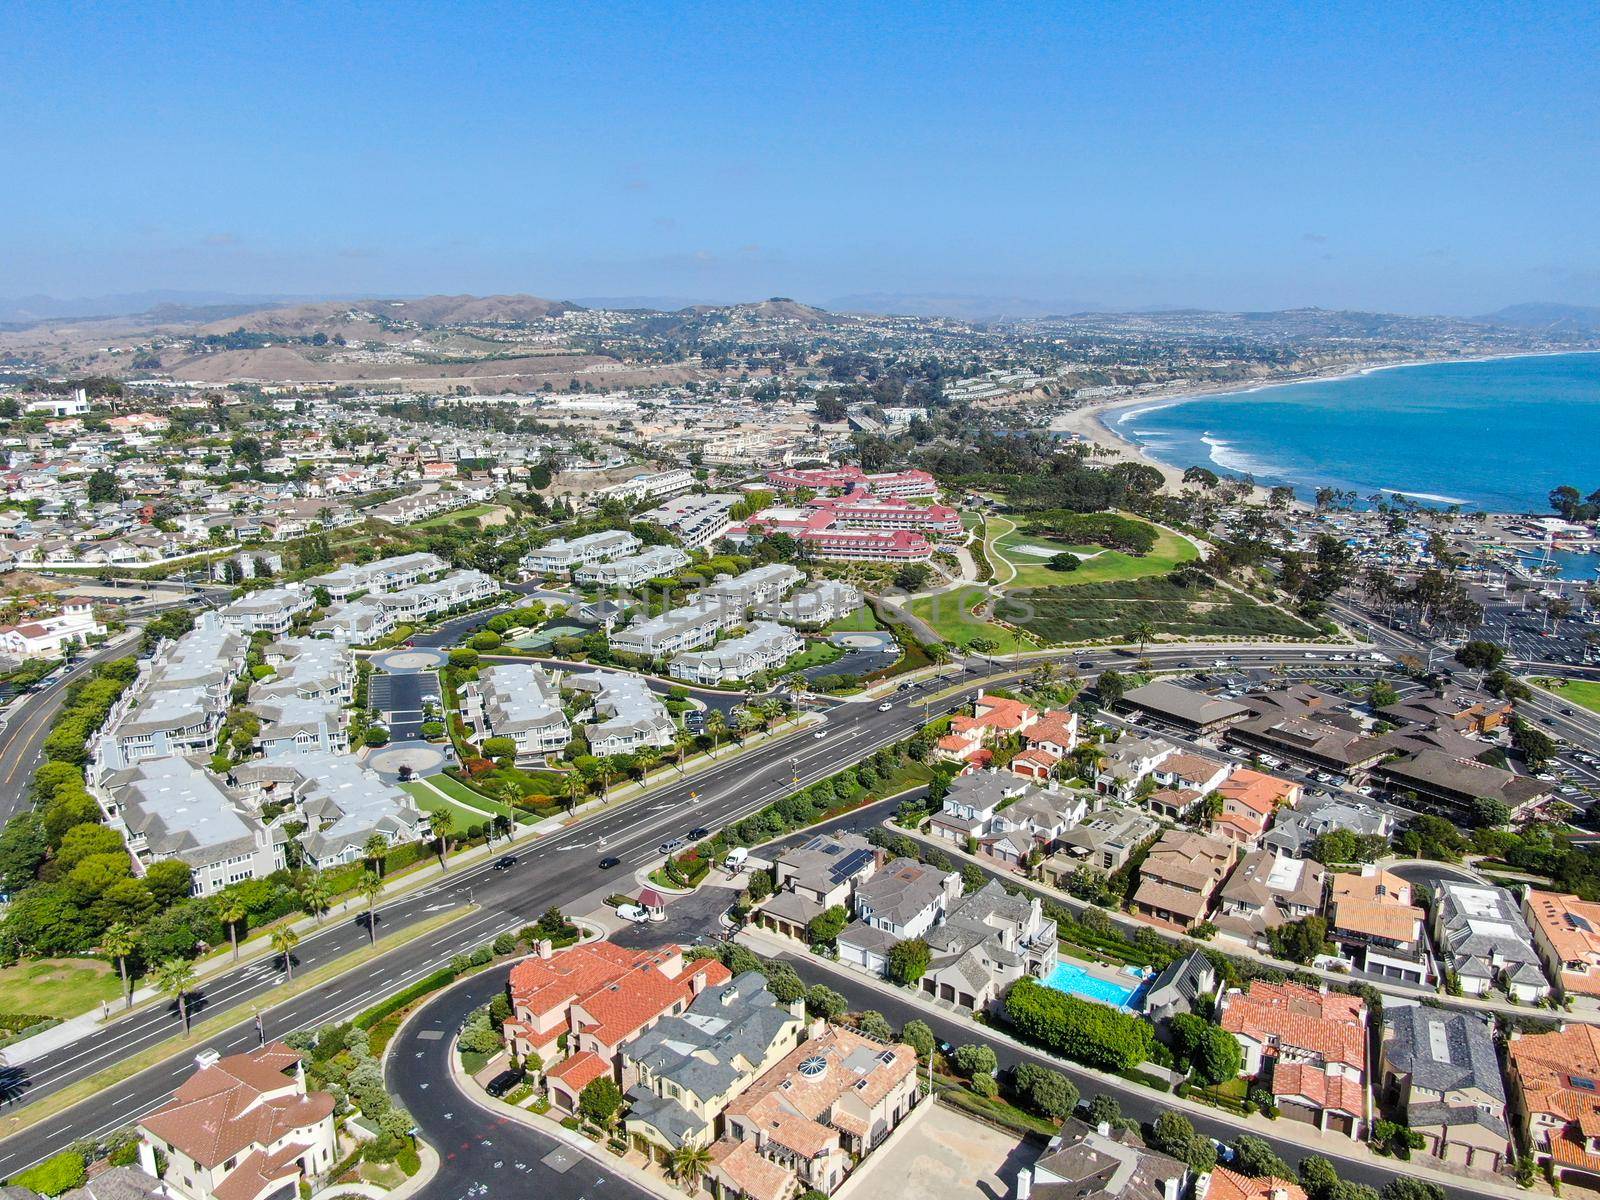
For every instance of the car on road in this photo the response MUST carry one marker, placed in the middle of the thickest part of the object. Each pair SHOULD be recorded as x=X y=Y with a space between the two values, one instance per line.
x=1547 y=720
x=609 y=861
x=671 y=845
x=632 y=912
x=1567 y=712
x=503 y=1083
x=505 y=862
x=820 y=734
x=1086 y=664
x=885 y=706
x=698 y=832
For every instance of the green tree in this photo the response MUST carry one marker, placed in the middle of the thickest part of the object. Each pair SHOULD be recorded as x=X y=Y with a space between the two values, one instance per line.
x=1300 y=941
x=976 y=1059
x=499 y=747
x=824 y=1002
x=689 y=1164
x=1255 y=1156
x=1081 y=1030
x=1111 y=686
x=121 y=941
x=232 y=913
x=600 y=1100
x=1174 y=1134
x=371 y=887
x=909 y=960
x=442 y=821
x=823 y=928
x=175 y=978
x=284 y=940
x=1318 y=1177
x=919 y=1036
x=59 y=1173
x=1048 y=1093
x=875 y=1025
x=1212 y=1053
x=169 y=881
x=315 y=896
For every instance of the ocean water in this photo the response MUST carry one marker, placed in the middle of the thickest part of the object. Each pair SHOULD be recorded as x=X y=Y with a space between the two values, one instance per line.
x=1494 y=435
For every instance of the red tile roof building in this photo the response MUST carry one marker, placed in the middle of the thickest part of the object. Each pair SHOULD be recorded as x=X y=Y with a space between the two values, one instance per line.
x=1309 y=1047
x=890 y=483
x=1555 y=1083
x=1250 y=801
x=242 y=1128
x=600 y=996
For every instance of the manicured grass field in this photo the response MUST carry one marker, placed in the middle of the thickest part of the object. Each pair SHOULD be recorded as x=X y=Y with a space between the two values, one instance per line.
x=860 y=621
x=58 y=987
x=1106 y=566
x=1109 y=610
x=430 y=801
x=1585 y=693
x=949 y=614
x=816 y=654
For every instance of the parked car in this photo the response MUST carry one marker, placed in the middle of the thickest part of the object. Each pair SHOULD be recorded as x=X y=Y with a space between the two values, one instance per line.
x=503 y=1083
x=632 y=912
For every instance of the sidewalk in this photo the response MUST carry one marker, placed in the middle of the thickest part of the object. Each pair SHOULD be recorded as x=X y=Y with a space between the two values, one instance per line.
x=1305 y=1137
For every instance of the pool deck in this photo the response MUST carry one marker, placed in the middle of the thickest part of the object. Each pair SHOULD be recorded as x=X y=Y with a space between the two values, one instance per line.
x=1105 y=974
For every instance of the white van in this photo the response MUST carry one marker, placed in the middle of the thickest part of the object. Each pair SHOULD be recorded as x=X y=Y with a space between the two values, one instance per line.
x=735 y=861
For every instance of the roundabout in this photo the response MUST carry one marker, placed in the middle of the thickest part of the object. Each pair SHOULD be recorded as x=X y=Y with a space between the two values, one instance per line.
x=407 y=661
x=422 y=757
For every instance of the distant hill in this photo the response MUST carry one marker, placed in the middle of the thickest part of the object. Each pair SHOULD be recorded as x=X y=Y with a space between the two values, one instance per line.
x=978 y=309
x=1576 y=319
x=333 y=315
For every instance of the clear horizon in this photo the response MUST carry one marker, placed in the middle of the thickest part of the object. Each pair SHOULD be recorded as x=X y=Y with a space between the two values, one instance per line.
x=1432 y=160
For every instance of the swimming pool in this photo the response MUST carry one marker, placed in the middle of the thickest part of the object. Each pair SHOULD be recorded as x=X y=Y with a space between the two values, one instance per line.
x=1075 y=981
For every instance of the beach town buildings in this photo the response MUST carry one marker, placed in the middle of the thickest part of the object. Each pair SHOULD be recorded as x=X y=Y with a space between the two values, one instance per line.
x=1439 y=1074
x=1085 y=1162
x=1566 y=933
x=764 y=646
x=242 y=1127
x=566 y=555
x=1555 y=1089
x=902 y=899
x=1484 y=942
x=1180 y=877
x=654 y=562
x=50 y=637
x=1309 y=1048
x=1267 y=891
x=1372 y=919
x=627 y=714
x=823 y=871
x=521 y=702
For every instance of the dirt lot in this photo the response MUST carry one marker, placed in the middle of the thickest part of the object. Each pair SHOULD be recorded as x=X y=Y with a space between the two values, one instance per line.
x=945 y=1155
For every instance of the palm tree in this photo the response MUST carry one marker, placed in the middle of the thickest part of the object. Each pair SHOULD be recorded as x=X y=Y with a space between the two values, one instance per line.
x=443 y=822
x=689 y=1164
x=315 y=896
x=231 y=912
x=175 y=977
x=1142 y=630
x=121 y=940
x=716 y=726
x=371 y=887
x=573 y=789
x=284 y=940
x=375 y=851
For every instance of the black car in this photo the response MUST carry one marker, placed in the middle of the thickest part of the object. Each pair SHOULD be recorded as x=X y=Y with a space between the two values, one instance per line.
x=505 y=862
x=503 y=1083
x=698 y=832
x=610 y=861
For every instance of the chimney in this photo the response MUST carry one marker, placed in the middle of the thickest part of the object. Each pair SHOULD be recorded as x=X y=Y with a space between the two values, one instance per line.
x=1024 y=1183
x=1103 y=1129
x=546 y=949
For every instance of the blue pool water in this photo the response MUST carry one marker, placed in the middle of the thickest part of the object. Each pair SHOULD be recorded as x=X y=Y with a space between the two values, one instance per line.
x=1075 y=981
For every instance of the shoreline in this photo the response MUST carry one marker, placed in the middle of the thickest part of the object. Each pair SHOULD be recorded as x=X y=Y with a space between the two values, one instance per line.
x=1091 y=421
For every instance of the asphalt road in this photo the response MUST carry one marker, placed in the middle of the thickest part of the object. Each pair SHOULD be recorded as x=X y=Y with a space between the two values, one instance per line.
x=28 y=721
x=481 y=1154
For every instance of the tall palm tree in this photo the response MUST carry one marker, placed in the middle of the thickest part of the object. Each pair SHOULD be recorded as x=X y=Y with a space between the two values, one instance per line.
x=175 y=977
x=315 y=896
x=284 y=940
x=120 y=941
x=1143 y=631
x=231 y=912
x=375 y=852
x=371 y=888
x=573 y=789
x=716 y=726
x=689 y=1165
x=443 y=822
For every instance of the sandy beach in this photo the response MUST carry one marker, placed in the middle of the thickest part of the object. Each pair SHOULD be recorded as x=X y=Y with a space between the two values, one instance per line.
x=1091 y=423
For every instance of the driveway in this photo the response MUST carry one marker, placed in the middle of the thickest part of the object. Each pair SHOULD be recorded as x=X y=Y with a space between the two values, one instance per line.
x=690 y=919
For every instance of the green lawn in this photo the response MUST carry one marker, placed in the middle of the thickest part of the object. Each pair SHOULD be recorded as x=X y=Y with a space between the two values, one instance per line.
x=1106 y=565
x=949 y=614
x=1575 y=691
x=817 y=653
x=460 y=514
x=860 y=621
x=58 y=987
x=430 y=801
x=1109 y=611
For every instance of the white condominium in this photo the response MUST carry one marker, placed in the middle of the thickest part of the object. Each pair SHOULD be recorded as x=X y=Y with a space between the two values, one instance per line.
x=765 y=647
x=380 y=575
x=628 y=714
x=568 y=555
x=635 y=569
x=519 y=701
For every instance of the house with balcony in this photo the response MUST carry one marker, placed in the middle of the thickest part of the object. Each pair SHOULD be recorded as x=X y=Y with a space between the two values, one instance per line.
x=566 y=555
x=1267 y=891
x=903 y=899
x=1309 y=1048
x=521 y=702
x=1372 y=919
x=1103 y=841
x=1484 y=941
x=1127 y=763
x=1555 y=1090
x=1251 y=801
x=1180 y=877
x=652 y=563
x=764 y=646
x=988 y=942
x=242 y=1127
x=1087 y=1162
x=271 y=610
x=815 y=604
x=1566 y=933
x=627 y=715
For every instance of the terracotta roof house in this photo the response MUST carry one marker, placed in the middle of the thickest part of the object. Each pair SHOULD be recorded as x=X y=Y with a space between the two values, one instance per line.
x=242 y=1128
x=1250 y=802
x=1180 y=876
x=1230 y=1185
x=1566 y=933
x=1309 y=1047
x=1268 y=890
x=600 y=996
x=993 y=717
x=1440 y=1075
x=825 y=1106
x=1376 y=926
x=1555 y=1079
x=1055 y=732
x=1035 y=763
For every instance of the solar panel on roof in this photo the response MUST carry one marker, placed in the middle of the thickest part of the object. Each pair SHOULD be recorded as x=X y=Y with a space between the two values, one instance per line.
x=849 y=865
x=1577 y=922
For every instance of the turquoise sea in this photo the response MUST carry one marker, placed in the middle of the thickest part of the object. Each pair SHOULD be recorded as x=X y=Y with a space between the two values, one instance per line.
x=1495 y=434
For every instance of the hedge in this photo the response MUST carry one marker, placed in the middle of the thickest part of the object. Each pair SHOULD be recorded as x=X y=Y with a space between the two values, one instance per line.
x=60 y=1173
x=1081 y=1030
x=380 y=1010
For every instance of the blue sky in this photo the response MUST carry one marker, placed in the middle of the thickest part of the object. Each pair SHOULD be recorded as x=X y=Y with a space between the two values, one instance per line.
x=1400 y=157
